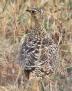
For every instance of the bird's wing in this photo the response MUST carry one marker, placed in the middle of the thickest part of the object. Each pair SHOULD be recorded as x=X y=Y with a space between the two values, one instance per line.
x=29 y=51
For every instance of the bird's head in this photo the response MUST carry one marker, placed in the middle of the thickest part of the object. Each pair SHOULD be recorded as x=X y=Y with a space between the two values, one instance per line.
x=36 y=13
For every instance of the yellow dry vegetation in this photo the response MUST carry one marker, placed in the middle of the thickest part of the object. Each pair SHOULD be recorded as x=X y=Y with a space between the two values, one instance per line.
x=15 y=22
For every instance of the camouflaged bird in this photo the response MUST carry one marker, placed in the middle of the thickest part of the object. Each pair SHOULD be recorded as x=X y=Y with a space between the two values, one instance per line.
x=39 y=52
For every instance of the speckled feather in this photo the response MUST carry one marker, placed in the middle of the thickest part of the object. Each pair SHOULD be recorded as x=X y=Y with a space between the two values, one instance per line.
x=38 y=52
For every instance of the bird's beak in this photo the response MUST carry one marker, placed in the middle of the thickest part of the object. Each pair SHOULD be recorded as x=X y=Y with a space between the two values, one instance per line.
x=28 y=10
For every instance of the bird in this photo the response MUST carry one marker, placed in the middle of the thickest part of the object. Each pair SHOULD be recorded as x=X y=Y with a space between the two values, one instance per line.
x=38 y=52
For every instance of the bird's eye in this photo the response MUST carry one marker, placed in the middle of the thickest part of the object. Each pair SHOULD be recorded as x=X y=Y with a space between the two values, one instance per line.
x=33 y=11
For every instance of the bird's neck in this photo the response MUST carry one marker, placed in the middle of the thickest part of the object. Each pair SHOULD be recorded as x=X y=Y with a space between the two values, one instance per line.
x=37 y=24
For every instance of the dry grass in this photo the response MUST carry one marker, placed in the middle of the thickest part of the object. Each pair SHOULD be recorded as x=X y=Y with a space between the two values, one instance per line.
x=15 y=22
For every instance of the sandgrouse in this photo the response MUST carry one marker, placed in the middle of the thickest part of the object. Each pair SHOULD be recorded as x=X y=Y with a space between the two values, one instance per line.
x=39 y=52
